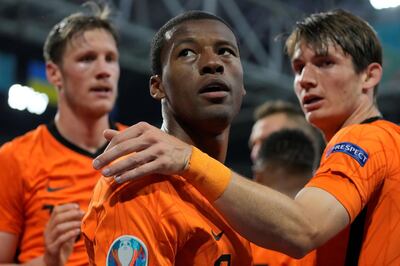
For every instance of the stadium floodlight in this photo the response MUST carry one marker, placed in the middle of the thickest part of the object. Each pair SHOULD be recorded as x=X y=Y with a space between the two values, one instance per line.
x=23 y=97
x=381 y=4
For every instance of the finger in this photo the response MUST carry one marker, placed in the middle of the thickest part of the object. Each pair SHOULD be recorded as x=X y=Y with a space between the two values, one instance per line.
x=65 y=207
x=120 y=165
x=68 y=237
x=144 y=154
x=166 y=158
x=61 y=229
x=110 y=133
x=123 y=152
x=121 y=144
x=62 y=215
x=142 y=170
x=59 y=209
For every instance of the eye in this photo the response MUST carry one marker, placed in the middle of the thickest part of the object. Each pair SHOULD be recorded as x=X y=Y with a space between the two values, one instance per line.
x=111 y=57
x=87 y=58
x=325 y=62
x=226 y=51
x=297 y=67
x=186 y=53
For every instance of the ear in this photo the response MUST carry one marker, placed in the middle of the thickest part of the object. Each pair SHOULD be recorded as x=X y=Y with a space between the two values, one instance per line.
x=244 y=91
x=372 y=77
x=156 y=87
x=53 y=74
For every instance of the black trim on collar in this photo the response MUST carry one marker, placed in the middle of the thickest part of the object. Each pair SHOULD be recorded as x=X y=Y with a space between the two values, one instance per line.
x=56 y=134
x=371 y=119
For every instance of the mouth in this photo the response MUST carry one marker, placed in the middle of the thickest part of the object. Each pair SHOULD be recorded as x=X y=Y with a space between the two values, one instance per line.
x=215 y=91
x=216 y=86
x=102 y=92
x=311 y=99
x=101 y=89
x=312 y=102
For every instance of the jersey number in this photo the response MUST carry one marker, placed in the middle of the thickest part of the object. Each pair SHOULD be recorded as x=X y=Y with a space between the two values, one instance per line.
x=223 y=258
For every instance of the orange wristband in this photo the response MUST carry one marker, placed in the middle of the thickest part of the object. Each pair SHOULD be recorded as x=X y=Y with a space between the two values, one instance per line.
x=208 y=175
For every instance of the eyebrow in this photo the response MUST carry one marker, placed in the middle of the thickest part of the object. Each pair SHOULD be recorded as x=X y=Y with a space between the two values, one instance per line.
x=185 y=41
x=191 y=40
x=315 y=56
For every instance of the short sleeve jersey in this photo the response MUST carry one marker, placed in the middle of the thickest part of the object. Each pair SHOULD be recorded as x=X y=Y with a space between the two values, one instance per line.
x=360 y=167
x=158 y=220
x=38 y=171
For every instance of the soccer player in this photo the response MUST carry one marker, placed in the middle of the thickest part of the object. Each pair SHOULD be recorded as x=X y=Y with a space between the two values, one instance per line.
x=46 y=175
x=164 y=220
x=337 y=63
x=285 y=162
x=272 y=116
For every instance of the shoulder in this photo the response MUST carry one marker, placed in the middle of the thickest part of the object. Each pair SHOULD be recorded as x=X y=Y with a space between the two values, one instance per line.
x=153 y=189
x=376 y=132
x=357 y=144
x=23 y=144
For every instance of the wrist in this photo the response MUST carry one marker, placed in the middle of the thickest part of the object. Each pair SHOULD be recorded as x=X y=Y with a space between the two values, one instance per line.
x=207 y=175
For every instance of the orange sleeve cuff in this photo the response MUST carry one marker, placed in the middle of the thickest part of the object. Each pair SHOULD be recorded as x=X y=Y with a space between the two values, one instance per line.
x=208 y=175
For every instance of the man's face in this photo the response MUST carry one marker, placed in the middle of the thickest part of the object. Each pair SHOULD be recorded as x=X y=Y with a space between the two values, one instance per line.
x=327 y=86
x=265 y=127
x=89 y=73
x=202 y=77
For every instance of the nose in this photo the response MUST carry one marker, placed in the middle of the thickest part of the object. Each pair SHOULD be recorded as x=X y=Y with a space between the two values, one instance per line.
x=307 y=78
x=103 y=69
x=211 y=63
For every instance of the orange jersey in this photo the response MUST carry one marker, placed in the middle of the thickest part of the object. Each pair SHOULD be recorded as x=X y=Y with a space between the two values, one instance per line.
x=267 y=257
x=360 y=167
x=158 y=220
x=38 y=171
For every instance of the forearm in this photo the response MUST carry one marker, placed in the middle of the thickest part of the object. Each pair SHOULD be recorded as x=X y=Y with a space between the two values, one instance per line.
x=263 y=215
x=267 y=217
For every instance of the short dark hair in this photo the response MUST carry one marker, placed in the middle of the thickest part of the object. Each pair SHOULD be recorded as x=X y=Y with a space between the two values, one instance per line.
x=278 y=106
x=353 y=34
x=294 y=114
x=290 y=148
x=158 y=41
x=74 y=24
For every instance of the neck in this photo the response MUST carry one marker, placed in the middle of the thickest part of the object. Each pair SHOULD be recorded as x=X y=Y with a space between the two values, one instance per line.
x=84 y=132
x=357 y=117
x=214 y=144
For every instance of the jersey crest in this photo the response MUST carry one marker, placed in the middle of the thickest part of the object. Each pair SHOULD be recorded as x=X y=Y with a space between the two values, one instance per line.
x=127 y=250
x=351 y=149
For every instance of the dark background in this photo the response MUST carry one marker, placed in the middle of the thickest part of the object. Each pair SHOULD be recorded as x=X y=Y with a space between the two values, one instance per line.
x=24 y=25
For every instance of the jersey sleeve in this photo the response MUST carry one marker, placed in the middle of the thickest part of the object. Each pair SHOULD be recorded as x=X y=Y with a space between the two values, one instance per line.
x=11 y=190
x=354 y=165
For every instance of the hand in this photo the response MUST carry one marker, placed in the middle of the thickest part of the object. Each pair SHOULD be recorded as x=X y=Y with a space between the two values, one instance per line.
x=60 y=234
x=146 y=150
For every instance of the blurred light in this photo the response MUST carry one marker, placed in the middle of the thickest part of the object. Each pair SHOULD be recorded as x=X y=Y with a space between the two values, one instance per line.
x=23 y=97
x=380 y=4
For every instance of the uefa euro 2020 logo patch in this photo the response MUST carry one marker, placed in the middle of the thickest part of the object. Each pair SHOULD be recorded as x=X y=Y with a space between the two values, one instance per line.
x=127 y=250
x=351 y=149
